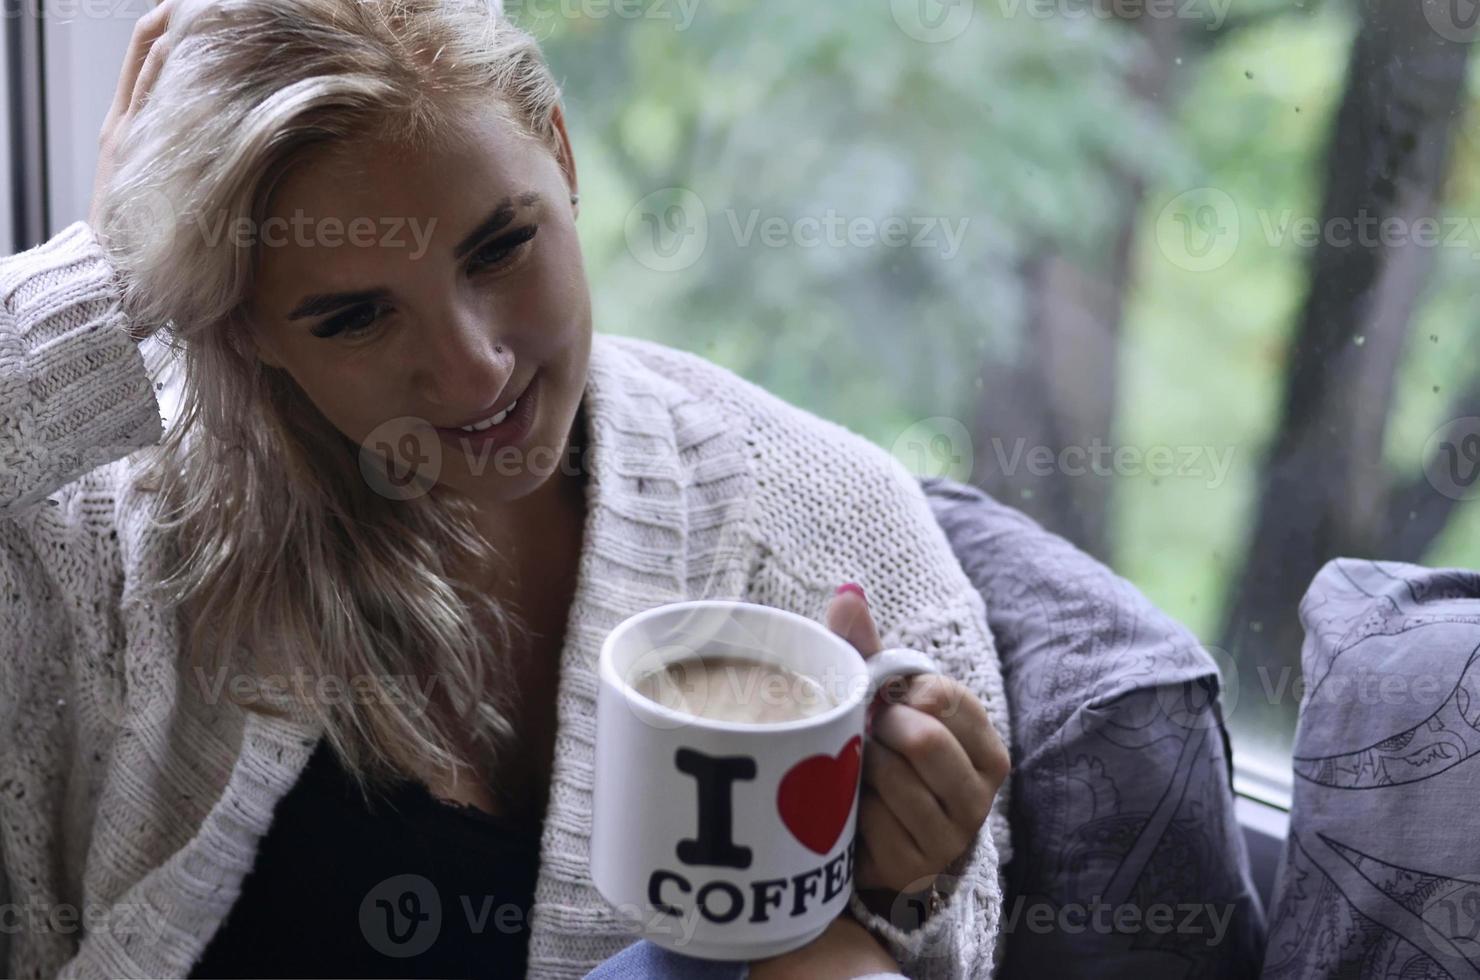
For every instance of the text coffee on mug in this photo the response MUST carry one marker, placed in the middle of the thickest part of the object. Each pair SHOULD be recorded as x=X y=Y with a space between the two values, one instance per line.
x=729 y=751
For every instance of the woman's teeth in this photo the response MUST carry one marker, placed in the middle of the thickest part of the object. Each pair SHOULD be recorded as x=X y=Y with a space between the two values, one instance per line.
x=491 y=422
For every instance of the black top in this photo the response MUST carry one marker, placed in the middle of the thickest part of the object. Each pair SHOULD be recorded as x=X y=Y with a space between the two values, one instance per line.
x=414 y=887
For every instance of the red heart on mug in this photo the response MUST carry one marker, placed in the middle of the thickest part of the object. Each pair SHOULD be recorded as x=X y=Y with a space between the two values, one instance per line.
x=816 y=795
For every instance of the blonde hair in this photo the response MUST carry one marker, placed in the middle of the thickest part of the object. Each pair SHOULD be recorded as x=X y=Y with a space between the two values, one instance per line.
x=285 y=555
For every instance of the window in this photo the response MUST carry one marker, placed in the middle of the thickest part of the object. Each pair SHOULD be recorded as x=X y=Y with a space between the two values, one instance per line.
x=1189 y=282
x=11 y=31
x=84 y=45
x=22 y=201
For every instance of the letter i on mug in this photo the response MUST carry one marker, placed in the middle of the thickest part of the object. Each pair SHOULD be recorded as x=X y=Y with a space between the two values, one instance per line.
x=729 y=753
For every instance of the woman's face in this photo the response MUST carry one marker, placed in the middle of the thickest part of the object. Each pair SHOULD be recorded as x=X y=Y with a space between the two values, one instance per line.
x=404 y=292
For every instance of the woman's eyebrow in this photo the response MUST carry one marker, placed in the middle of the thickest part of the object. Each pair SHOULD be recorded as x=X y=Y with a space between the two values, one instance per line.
x=501 y=215
x=322 y=303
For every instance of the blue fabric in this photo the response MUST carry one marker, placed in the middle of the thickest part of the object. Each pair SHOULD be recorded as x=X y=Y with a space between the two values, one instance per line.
x=1128 y=860
x=648 y=961
x=1381 y=871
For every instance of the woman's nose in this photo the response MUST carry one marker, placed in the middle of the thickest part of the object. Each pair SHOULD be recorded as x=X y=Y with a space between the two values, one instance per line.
x=461 y=366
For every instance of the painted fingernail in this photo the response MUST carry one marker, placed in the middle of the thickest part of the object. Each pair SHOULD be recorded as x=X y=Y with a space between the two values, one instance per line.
x=852 y=587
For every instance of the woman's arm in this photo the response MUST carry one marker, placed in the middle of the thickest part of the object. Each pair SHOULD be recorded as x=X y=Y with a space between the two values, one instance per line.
x=74 y=391
x=74 y=394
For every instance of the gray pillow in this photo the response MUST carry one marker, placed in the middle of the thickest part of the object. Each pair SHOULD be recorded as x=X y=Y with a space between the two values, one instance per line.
x=1128 y=860
x=1380 y=876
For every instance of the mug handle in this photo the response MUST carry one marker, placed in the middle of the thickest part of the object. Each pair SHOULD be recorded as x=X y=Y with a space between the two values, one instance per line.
x=886 y=665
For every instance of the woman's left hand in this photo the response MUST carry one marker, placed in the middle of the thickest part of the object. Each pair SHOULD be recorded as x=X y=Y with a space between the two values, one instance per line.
x=931 y=770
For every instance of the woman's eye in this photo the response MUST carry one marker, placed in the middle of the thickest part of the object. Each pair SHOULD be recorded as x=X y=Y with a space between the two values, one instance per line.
x=356 y=321
x=361 y=319
x=497 y=252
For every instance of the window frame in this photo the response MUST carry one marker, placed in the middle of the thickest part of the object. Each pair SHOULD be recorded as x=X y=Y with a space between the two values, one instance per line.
x=24 y=198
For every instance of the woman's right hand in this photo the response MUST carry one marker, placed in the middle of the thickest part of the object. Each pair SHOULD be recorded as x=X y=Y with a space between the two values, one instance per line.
x=844 y=950
x=140 y=68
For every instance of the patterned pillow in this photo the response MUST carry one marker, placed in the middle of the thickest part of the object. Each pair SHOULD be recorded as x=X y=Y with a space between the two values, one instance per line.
x=1380 y=875
x=1128 y=860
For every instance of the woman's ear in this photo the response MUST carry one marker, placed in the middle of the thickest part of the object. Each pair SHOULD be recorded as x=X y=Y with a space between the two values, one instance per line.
x=564 y=155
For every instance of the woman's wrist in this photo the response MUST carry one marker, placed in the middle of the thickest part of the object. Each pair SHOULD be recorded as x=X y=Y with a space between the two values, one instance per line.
x=913 y=909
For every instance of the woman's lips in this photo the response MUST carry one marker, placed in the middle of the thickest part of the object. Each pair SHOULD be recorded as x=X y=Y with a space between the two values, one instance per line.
x=508 y=432
x=487 y=413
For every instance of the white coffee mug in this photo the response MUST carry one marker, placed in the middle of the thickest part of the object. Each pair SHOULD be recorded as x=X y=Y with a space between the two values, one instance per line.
x=720 y=839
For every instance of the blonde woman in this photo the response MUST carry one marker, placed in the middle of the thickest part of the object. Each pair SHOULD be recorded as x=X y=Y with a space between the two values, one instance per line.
x=329 y=636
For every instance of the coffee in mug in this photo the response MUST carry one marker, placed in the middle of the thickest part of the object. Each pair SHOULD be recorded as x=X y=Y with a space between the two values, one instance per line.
x=745 y=690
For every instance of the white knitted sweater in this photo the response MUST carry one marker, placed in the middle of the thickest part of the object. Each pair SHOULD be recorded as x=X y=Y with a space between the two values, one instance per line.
x=129 y=815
